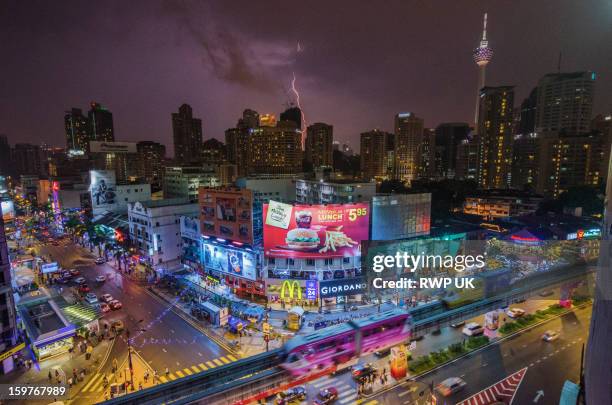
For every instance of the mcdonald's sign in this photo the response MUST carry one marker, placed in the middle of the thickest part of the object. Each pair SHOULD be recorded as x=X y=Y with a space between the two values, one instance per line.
x=294 y=289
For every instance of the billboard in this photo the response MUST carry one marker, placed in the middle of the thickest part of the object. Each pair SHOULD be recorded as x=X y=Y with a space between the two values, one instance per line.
x=49 y=267
x=230 y=261
x=227 y=214
x=112 y=147
x=103 y=188
x=315 y=231
x=342 y=287
x=8 y=210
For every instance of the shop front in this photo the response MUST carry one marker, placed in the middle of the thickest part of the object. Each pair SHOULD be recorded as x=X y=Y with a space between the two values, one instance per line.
x=342 y=291
x=290 y=293
x=54 y=345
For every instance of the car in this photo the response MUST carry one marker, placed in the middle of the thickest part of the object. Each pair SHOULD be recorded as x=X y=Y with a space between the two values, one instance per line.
x=363 y=370
x=74 y=272
x=546 y=293
x=450 y=386
x=100 y=260
x=383 y=352
x=515 y=312
x=472 y=329
x=354 y=308
x=115 y=304
x=84 y=288
x=104 y=307
x=327 y=396
x=80 y=280
x=117 y=326
x=66 y=275
x=101 y=278
x=290 y=395
x=457 y=324
x=106 y=298
x=91 y=298
x=550 y=335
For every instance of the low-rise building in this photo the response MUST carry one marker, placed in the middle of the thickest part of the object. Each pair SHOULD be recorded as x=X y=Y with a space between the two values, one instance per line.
x=333 y=191
x=492 y=204
x=184 y=181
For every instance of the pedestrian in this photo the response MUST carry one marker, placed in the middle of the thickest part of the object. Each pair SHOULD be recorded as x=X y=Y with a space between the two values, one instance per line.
x=82 y=374
x=56 y=373
x=49 y=376
x=140 y=385
x=70 y=382
x=146 y=376
x=74 y=374
x=167 y=372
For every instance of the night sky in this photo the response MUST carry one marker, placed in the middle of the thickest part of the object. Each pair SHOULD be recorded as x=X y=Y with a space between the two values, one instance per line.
x=360 y=61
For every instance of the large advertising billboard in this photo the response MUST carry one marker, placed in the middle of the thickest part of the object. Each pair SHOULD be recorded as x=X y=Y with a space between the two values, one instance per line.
x=227 y=214
x=112 y=147
x=103 y=190
x=230 y=261
x=8 y=210
x=315 y=231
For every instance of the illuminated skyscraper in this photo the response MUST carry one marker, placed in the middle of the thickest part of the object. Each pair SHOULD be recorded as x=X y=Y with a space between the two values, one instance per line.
x=482 y=57
x=409 y=144
x=319 y=140
x=77 y=132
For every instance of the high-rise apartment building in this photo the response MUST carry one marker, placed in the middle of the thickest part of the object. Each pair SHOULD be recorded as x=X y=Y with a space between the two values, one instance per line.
x=213 y=151
x=427 y=155
x=374 y=154
x=77 y=132
x=275 y=150
x=408 y=130
x=292 y=114
x=5 y=156
x=319 y=144
x=151 y=156
x=187 y=135
x=26 y=159
x=100 y=123
x=448 y=137
x=565 y=103
x=466 y=167
x=495 y=136
x=8 y=323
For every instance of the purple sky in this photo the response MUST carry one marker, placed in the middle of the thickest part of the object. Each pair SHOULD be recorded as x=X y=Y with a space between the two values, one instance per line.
x=361 y=62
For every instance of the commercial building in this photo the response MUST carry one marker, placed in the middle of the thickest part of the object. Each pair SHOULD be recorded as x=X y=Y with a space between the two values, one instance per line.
x=319 y=141
x=151 y=156
x=448 y=137
x=493 y=204
x=26 y=159
x=275 y=150
x=408 y=148
x=377 y=155
x=184 y=181
x=495 y=136
x=100 y=123
x=77 y=132
x=525 y=162
x=237 y=145
x=155 y=228
x=227 y=213
x=467 y=160
x=279 y=188
x=187 y=135
x=292 y=114
x=8 y=327
x=120 y=157
x=213 y=151
x=400 y=216
x=333 y=191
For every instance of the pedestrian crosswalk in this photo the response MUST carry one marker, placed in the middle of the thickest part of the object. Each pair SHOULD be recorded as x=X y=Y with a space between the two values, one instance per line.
x=96 y=384
x=347 y=395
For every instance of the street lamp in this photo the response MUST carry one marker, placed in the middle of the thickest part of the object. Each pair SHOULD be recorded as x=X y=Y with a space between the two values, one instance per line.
x=129 y=342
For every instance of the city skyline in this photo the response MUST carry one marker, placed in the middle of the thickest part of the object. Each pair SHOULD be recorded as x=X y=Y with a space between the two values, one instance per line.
x=254 y=69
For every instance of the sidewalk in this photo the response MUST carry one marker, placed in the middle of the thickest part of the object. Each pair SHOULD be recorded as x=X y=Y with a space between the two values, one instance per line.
x=140 y=368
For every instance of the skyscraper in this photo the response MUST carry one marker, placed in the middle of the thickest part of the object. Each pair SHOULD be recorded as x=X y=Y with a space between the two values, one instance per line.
x=293 y=114
x=319 y=144
x=100 y=123
x=236 y=140
x=373 y=153
x=564 y=103
x=495 y=136
x=408 y=129
x=5 y=156
x=482 y=56
x=187 y=135
x=448 y=137
x=151 y=157
x=275 y=150
x=77 y=132
x=213 y=151
x=26 y=159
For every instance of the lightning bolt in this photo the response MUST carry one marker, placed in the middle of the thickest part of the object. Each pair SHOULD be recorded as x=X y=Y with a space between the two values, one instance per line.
x=297 y=101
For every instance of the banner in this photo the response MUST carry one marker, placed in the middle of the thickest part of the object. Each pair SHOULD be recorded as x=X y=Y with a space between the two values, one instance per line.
x=315 y=231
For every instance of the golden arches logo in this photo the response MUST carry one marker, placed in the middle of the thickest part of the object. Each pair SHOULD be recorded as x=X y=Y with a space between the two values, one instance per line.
x=292 y=286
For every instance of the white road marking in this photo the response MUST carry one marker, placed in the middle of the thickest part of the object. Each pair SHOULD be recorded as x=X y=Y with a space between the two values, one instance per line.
x=199 y=354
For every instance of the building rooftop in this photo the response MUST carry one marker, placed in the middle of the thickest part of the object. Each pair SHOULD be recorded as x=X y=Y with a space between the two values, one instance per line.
x=165 y=202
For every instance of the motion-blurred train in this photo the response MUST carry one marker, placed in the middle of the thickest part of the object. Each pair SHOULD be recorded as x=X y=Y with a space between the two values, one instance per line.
x=341 y=346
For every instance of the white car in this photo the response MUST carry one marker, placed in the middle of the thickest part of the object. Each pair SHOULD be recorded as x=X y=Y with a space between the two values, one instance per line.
x=472 y=329
x=515 y=312
x=101 y=278
x=100 y=260
x=80 y=280
x=106 y=298
x=91 y=298
x=550 y=335
x=450 y=386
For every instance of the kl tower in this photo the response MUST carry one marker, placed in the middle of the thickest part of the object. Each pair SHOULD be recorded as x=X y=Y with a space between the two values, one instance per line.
x=482 y=57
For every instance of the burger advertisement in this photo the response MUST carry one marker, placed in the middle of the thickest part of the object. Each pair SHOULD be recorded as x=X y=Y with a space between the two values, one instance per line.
x=314 y=231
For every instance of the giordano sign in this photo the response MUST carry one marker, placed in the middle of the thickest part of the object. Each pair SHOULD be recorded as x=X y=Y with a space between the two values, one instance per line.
x=291 y=290
x=342 y=287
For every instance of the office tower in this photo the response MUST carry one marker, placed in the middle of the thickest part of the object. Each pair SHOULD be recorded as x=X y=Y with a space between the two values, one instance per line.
x=213 y=151
x=292 y=114
x=5 y=156
x=8 y=327
x=466 y=166
x=527 y=118
x=448 y=137
x=319 y=145
x=26 y=159
x=151 y=156
x=373 y=150
x=185 y=181
x=250 y=119
x=236 y=146
x=495 y=136
x=427 y=155
x=564 y=103
x=408 y=130
x=100 y=123
x=482 y=56
x=275 y=150
x=187 y=135
x=525 y=162
x=77 y=132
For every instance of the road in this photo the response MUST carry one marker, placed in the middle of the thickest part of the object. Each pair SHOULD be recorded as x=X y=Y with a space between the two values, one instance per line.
x=168 y=340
